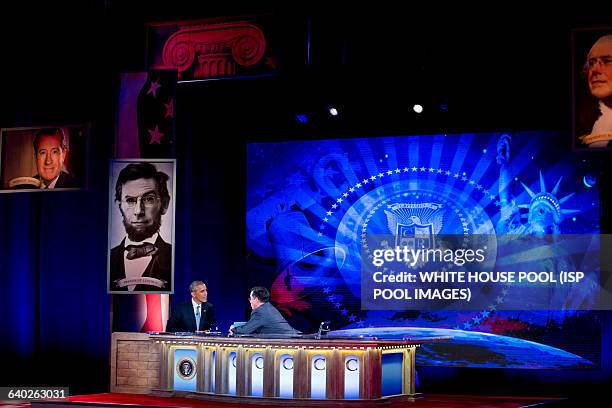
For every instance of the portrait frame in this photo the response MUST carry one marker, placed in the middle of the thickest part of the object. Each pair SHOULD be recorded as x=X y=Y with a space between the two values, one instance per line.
x=157 y=269
x=20 y=172
x=585 y=110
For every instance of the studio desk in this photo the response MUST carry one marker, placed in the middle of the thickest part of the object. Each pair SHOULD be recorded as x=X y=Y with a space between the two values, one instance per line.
x=304 y=369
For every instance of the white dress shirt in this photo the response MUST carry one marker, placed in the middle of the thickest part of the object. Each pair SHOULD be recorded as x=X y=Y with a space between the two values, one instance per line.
x=603 y=124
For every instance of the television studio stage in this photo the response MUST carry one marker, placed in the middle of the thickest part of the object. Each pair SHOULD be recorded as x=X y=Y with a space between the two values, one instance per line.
x=193 y=370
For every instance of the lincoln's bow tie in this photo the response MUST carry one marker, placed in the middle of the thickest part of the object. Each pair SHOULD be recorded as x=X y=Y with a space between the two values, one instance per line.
x=138 y=251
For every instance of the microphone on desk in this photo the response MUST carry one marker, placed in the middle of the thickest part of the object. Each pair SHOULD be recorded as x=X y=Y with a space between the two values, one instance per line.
x=323 y=329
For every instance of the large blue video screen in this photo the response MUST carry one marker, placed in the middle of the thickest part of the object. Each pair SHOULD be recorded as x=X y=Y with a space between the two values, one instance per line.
x=310 y=205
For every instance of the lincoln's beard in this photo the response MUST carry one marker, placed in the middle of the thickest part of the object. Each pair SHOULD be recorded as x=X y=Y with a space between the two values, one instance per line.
x=138 y=235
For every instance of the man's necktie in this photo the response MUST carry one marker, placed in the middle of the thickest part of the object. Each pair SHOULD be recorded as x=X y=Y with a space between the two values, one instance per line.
x=138 y=251
x=197 y=314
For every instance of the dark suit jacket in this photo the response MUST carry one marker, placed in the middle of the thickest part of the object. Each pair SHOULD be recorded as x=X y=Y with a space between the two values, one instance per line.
x=183 y=318
x=160 y=267
x=266 y=320
x=65 y=180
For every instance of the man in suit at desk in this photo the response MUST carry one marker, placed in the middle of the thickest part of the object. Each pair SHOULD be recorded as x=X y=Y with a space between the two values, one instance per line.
x=265 y=319
x=195 y=314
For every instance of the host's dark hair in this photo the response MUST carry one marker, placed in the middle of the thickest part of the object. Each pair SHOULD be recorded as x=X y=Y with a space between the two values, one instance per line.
x=143 y=170
x=49 y=132
x=260 y=293
x=195 y=284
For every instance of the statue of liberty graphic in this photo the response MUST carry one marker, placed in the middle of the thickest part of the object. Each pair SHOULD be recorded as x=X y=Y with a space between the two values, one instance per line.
x=538 y=232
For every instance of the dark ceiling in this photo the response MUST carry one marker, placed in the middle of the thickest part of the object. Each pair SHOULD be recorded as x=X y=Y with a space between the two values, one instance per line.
x=61 y=60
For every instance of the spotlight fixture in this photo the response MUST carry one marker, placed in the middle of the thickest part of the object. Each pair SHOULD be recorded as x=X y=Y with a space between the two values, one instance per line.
x=301 y=118
x=417 y=108
x=333 y=111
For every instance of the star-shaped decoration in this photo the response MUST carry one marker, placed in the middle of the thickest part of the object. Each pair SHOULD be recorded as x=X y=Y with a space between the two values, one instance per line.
x=155 y=85
x=156 y=135
x=389 y=172
x=169 y=109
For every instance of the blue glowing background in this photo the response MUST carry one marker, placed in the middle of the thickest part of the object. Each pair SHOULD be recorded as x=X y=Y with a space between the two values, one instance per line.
x=309 y=204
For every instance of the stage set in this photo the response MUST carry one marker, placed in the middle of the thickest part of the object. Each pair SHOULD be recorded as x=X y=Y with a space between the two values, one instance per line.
x=214 y=371
x=419 y=202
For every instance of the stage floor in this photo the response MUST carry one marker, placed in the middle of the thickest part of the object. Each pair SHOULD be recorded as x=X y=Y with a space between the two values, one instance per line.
x=110 y=400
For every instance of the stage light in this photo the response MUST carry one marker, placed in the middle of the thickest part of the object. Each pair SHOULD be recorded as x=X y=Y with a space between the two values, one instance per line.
x=417 y=108
x=443 y=107
x=333 y=111
x=301 y=117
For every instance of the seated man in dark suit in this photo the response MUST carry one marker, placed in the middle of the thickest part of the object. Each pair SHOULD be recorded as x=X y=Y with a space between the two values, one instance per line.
x=265 y=319
x=195 y=314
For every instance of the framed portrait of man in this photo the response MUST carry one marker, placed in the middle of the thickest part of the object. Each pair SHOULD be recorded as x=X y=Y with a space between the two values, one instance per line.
x=141 y=226
x=44 y=158
x=592 y=88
